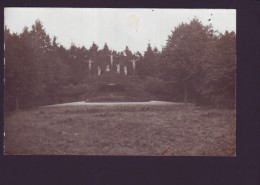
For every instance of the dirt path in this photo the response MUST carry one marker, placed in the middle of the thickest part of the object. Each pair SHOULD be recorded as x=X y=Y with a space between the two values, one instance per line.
x=114 y=103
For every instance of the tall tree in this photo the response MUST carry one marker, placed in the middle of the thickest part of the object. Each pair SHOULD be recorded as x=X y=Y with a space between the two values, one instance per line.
x=93 y=56
x=41 y=47
x=148 y=62
x=220 y=70
x=57 y=73
x=104 y=57
x=20 y=84
x=128 y=60
x=78 y=64
x=184 y=50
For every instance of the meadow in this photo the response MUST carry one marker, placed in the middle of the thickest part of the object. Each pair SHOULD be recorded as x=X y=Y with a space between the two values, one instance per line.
x=168 y=130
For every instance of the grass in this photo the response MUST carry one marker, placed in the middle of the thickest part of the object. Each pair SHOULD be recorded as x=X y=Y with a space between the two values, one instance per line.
x=169 y=130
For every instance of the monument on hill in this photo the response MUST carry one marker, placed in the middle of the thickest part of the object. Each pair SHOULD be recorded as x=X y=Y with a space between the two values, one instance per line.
x=119 y=68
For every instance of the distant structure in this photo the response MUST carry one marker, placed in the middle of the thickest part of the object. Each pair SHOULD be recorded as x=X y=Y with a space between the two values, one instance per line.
x=109 y=67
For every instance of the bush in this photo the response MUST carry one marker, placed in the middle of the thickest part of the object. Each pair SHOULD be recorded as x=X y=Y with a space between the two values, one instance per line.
x=155 y=85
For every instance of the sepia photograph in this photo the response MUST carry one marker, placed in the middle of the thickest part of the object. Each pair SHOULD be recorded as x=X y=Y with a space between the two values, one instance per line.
x=120 y=82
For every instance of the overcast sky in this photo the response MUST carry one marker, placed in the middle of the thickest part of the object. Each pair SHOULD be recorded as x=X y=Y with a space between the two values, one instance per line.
x=117 y=27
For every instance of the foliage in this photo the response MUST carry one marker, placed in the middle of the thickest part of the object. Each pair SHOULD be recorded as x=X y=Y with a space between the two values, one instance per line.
x=196 y=65
x=200 y=64
x=154 y=85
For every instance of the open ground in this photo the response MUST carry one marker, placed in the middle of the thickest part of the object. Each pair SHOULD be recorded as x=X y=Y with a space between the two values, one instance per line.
x=146 y=130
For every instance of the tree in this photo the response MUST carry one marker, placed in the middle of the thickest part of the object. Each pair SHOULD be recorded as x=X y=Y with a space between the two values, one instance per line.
x=199 y=64
x=220 y=71
x=20 y=84
x=104 y=57
x=147 y=66
x=184 y=50
x=78 y=64
x=139 y=64
x=57 y=73
x=41 y=46
x=93 y=56
x=128 y=60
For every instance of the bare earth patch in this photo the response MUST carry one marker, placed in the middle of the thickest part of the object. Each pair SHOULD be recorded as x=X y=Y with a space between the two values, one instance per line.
x=168 y=130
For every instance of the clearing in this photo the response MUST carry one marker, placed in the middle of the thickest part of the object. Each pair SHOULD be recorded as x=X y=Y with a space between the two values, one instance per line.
x=145 y=129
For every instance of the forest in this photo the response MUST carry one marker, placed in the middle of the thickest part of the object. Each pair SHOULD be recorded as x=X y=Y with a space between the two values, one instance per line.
x=196 y=65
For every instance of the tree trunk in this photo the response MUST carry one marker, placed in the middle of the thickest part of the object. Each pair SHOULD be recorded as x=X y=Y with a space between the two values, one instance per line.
x=17 y=103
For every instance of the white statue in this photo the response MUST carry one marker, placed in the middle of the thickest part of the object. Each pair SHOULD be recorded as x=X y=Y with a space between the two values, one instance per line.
x=125 y=70
x=89 y=66
x=108 y=68
x=99 y=70
x=118 y=68
x=133 y=61
x=111 y=60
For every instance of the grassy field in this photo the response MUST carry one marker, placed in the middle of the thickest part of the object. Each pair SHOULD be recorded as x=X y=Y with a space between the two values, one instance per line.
x=169 y=130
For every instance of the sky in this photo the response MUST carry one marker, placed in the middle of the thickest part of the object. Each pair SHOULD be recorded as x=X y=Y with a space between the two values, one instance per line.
x=118 y=28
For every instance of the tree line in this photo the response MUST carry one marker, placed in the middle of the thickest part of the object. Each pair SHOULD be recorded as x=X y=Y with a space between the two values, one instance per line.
x=196 y=65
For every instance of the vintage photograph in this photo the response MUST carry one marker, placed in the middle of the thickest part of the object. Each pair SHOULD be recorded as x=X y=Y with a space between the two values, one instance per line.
x=119 y=82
